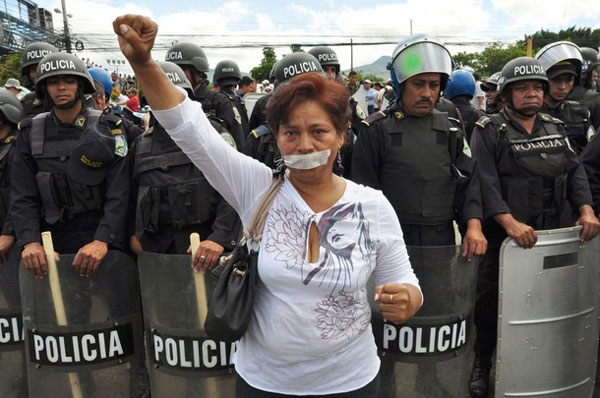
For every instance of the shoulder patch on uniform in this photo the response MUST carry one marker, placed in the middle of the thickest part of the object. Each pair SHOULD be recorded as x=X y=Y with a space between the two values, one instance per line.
x=229 y=139
x=360 y=112
x=116 y=132
x=80 y=121
x=466 y=147
x=483 y=121
x=36 y=102
x=237 y=116
x=590 y=133
x=261 y=130
x=121 y=148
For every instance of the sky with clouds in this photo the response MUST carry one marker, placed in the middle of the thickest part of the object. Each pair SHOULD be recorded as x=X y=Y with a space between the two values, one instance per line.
x=232 y=29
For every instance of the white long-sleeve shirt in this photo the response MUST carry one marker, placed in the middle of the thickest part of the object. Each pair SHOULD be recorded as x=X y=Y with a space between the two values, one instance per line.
x=310 y=332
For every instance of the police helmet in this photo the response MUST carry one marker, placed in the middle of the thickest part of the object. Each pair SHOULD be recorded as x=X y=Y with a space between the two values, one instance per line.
x=34 y=52
x=10 y=106
x=491 y=83
x=419 y=54
x=561 y=57
x=295 y=64
x=58 y=64
x=326 y=57
x=591 y=58
x=227 y=73
x=103 y=77
x=188 y=54
x=522 y=68
x=176 y=75
x=461 y=82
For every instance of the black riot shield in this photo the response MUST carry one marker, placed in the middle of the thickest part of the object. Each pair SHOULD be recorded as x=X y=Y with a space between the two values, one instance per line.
x=184 y=362
x=431 y=354
x=99 y=352
x=13 y=379
x=548 y=316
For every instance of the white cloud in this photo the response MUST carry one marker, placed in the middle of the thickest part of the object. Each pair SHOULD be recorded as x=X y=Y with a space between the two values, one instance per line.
x=549 y=14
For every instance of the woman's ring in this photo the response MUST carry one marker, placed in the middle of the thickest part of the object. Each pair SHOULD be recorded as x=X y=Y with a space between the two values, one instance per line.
x=203 y=257
x=392 y=299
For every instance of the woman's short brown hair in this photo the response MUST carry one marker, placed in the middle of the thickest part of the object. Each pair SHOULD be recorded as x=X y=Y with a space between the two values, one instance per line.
x=329 y=94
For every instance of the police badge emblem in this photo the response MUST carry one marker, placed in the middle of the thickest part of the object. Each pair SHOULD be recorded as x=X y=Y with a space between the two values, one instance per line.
x=121 y=148
x=238 y=117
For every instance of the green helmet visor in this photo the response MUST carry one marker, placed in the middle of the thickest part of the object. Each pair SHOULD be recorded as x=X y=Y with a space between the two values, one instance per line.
x=422 y=57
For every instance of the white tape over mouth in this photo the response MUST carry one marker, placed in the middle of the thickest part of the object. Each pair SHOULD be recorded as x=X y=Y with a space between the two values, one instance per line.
x=307 y=161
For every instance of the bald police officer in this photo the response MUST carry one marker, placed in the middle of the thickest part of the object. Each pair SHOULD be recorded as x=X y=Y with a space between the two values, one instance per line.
x=70 y=172
x=528 y=171
x=563 y=64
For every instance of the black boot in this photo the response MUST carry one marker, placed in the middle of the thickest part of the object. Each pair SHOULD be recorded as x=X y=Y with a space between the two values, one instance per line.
x=480 y=378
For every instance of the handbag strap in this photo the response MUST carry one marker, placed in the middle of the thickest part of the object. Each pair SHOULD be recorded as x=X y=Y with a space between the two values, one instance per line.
x=255 y=229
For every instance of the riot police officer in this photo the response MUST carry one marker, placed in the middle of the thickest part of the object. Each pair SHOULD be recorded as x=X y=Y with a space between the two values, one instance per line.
x=261 y=141
x=228 y=75
x=11 y=113
x=173 y=198
x=402 y=150
x=528 y=172
x=192 y=59
x=460 y=90
x=33 y=53
x=584 y=93
x=70 y=173
x=590 y=158
x=493 y=104
x=591 y=68
x=419 y=157
x=563 y=62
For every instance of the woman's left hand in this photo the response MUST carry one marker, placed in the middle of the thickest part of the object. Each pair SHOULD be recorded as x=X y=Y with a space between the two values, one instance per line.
x=398 y=302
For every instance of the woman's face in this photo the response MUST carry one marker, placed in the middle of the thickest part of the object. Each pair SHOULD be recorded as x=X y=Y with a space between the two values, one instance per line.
x=309 y=129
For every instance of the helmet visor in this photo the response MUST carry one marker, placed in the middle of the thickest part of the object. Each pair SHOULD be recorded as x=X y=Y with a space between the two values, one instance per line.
x=555 y=54
x=422 y=58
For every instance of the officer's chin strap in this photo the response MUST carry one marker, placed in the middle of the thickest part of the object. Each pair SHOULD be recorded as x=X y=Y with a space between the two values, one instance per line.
x=525 y=112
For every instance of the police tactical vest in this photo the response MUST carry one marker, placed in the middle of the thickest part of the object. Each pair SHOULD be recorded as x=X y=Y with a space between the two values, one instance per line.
x=172 y=191
x=532 y=169
x=416 y=175
x=577 y=124
x=62 y=197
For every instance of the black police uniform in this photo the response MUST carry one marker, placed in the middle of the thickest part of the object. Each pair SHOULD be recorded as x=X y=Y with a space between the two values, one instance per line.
x=47 y=197
x=241 y=123
x=423 y=167
x=493 y=108
x=7 y=145
x=529 y=176
x=32 y=105
x=576 y=117
x=445 y=105
x=590 y=100
x=174 y=199
x=219 y=105
x=470 y=115
x=590 y=158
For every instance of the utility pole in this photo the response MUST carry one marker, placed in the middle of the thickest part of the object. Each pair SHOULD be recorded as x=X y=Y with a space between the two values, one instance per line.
x=66 y=24
x=351 y=55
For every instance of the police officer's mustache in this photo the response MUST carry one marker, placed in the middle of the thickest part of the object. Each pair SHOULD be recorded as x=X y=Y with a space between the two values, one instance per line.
x=424 y=101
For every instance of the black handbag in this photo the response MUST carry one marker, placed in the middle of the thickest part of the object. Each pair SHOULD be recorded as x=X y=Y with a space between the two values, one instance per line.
x=230 y=305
